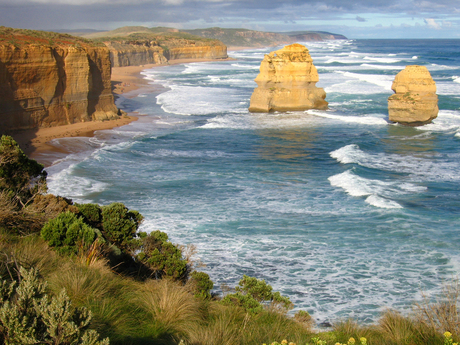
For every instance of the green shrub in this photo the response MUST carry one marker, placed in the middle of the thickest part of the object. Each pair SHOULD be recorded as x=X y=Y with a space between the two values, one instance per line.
x=247 y=302
x=29 y=316
x=119 y=224
x=202 y=284
x=162 y=257
x=251 y=292
x=91 y=213
x=20 y=176
x=66 y=232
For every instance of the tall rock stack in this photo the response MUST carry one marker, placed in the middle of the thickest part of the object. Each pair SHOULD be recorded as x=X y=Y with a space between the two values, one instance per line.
x=415 y=101
x=287 y=81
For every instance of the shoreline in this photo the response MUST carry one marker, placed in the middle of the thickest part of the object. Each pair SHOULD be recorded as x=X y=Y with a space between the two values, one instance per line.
x=128 y=79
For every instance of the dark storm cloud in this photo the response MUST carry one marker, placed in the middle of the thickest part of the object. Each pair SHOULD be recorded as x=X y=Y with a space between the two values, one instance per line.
x=51 y=14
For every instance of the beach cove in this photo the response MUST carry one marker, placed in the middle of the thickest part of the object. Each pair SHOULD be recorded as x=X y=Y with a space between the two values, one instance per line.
x=340 y=210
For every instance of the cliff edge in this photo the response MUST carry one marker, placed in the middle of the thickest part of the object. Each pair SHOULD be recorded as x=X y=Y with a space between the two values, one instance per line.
x=287 y=81
x=49 y=79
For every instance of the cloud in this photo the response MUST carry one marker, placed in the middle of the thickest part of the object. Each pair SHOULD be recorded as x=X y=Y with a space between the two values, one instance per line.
x=286 y=15
x=430 y=22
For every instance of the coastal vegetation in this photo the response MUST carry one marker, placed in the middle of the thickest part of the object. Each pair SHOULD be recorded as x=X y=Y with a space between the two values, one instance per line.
x=75 y=273
x=22 y=37
x=166 y=37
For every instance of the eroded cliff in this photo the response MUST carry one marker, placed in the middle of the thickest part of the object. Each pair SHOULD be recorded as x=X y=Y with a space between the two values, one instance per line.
x=415 y=101
x=287 y=81
x=144 y=48
x=49 y=79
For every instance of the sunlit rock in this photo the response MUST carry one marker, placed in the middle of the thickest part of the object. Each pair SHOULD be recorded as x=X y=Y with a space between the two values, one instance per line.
x=287 y=81
x=415 y=101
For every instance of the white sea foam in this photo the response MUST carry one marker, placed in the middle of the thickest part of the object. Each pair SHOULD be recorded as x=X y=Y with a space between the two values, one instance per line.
x=420 y=169
x=383 y=81
x=447 y=121
x=379 y=193
x=362 y=120
x=382 y=67
x=381 y=59
x=378 y=201
x=245 y=66
x=78 y=188
x=448 y=87
x=185 y=154
x=197 y=100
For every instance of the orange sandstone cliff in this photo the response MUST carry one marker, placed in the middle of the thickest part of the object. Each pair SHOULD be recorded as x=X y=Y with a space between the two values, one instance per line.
x=415 y=101
x=136 y=50
x=287 y=81
x=49 y=79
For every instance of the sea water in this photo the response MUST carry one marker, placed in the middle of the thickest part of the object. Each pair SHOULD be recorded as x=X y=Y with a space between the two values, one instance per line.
x=342 y=211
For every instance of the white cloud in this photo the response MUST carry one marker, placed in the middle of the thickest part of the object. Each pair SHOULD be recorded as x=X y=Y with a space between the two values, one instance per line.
x=432 y=23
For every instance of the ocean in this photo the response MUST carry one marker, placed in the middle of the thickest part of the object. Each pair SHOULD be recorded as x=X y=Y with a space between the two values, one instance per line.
x=342 y=211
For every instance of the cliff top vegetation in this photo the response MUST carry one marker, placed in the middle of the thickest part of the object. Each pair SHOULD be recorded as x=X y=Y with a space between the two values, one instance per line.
x=24 y=37
x=164 y=36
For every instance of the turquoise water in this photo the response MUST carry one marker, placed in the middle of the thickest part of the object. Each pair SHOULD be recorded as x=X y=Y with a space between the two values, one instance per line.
x=340 y=210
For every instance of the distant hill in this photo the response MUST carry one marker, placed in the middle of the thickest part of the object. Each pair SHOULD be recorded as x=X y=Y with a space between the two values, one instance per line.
x=251 y=38
x=230 y=37
x=126 y=31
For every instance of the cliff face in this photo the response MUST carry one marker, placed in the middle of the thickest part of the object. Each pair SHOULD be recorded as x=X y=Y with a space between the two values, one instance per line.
x=287 y=81
x=44 y=85
x=198 y=52
x=415 y=101
x=142 y=51
x=135 y=53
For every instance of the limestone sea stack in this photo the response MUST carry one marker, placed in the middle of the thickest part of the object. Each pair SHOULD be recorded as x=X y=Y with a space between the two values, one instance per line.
x=415 y=101
x=287 y=81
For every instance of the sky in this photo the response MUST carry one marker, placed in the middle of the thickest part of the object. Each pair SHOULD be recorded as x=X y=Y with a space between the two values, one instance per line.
x=353 y=18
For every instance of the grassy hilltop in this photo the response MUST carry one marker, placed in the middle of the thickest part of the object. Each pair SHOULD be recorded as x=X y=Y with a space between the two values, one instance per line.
x=21 y=37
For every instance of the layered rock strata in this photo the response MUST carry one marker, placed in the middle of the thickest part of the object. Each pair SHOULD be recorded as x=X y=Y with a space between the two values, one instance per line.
x=415 y=101
x=45 y=85
x=142 y=52
x=287 y=81
x=135 y=53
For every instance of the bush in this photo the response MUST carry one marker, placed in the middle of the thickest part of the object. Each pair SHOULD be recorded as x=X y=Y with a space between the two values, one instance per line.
x=251 y=293
x=162 y=257
x=201 y=284
x=91 y=213
x=119 y=224
x=66 y=232
x=29 y=316
x=20 y=176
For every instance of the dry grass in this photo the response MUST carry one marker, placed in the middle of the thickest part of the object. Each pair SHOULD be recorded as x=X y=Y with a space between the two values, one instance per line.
x=86 y=284
x=224 y=327
x=29 y=252
x=171 y=305
x=434 y=318
x=345 y=330
x=396 y=328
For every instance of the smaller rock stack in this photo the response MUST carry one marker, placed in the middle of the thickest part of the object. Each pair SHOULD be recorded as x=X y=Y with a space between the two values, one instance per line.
x=415 y=101
x=287 y=81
